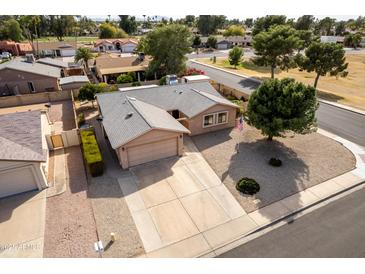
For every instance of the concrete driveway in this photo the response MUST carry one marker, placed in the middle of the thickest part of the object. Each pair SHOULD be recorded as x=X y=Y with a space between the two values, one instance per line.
x=22 y=219
x=179 y=205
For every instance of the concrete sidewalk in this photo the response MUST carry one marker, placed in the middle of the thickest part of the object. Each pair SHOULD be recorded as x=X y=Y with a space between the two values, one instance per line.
x=310 y=197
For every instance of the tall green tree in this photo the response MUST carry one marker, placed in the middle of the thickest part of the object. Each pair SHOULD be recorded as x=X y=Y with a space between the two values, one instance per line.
x=305 y=22
x=306 y=38
x=197 y=41
x=325 y=26
x=168 y=46
x=84 y=54
x=248 y=22
x=212 y=41
x=234 y=30
x=208 y=24
x=275 y=48
x=30 y=24
x=11 y=30
x=323 y=59
x=353 y=40
x=235 y=56
x=189 y=20
x=62 y=25
x=340 y=28
x=128 y=24
x=279 y=106
x=108 y=30
x=265 y=23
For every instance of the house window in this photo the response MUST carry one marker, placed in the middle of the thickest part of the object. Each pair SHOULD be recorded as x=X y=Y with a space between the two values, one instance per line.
x=215 y=119
x=222 y=117
x=208 y=120
x=110 y=47
x=31 y=87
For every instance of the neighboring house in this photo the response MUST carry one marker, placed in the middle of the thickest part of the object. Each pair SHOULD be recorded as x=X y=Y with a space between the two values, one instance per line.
x=332 y=39
x=224 y=44
x=362 y=43
x=147 y=124
x=110 y=66
x=116 y=45
x=67 y=68
x=20 y=76
x=16 y=49
x=73 y=82
x=55 y=49
x=24 y=152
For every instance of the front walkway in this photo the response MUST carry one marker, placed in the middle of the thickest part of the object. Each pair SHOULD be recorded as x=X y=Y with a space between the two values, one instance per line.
x=180 y=207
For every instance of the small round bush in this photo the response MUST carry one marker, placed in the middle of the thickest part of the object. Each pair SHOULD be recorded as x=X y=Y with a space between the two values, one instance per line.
x=275 y=162
x=248 y=186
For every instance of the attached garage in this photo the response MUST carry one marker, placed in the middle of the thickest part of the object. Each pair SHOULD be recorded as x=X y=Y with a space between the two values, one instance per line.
x=17 y=178
x=24 y=153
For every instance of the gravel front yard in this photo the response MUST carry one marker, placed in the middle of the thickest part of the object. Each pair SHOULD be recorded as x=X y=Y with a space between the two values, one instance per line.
x=70 y=229
x=307 y=161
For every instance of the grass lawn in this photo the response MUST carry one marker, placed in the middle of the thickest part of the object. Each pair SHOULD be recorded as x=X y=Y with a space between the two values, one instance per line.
x=348 y=91
x=80 y=39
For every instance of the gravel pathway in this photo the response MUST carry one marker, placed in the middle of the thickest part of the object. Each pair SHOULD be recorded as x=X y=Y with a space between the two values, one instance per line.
x=307 y=161
x=70 y=229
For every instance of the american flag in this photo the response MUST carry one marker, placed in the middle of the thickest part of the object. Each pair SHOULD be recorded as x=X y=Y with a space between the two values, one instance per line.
x=239 y=123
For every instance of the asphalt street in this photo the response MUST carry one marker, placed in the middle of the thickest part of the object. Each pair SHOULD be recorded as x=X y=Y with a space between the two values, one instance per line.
x=333 y=231
x=344 y=123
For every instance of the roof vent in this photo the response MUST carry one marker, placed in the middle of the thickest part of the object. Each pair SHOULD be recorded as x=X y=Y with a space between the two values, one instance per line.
x=180 y=92
x=129 y=115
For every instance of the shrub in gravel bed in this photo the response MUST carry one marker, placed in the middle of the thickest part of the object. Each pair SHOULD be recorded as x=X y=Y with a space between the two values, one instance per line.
x=92 y=153
x=247 y=186
x=275 y=162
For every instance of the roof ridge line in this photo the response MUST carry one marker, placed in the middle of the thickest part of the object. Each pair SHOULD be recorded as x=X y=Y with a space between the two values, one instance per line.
x=138 y=110
x=200 y=92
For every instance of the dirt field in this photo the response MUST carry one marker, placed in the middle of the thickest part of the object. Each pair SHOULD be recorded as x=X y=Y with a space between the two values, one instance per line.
x=349 y=91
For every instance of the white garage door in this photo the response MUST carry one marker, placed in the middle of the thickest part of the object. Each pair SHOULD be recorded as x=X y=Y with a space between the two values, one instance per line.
x=149 y=152
x=17 y=180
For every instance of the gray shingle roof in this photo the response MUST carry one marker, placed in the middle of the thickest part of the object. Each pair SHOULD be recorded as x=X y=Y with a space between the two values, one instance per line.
x=149 y=107
x=74 y=79
x=21 y=137
x=191 y=99
x=37 y=68
x=124 y=118
x=53 y=62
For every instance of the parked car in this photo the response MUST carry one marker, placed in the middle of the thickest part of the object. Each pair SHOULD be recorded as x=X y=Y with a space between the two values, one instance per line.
x=5 y=55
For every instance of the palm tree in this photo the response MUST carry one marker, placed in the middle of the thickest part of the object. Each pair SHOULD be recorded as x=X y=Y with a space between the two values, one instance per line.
x=85 y=55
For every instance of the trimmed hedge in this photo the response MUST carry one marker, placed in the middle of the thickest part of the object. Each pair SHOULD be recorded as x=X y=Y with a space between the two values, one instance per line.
x=275 y=162
x=248 y=186
x=92 y=153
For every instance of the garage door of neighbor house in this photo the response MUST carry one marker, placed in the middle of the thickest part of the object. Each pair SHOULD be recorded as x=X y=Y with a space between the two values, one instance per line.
x=153 y=151
x=17 y=180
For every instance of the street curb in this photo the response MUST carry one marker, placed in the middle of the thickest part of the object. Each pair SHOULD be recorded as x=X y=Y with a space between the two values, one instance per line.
x=354 y=110
x=344 y=107
x=276 y=221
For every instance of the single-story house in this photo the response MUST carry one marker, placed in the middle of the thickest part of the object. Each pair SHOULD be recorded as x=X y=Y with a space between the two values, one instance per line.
x=224 y=44
x=332 y=39
x=55 y=49
x=24 y=152
x=147 y=124
x=73 y=82
x=67 y=68
x=110 y=66
x=15 y=48
x=125 y=45
x=20 y=76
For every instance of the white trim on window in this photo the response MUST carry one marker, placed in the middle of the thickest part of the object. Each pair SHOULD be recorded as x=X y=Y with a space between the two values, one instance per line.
x=215 y=119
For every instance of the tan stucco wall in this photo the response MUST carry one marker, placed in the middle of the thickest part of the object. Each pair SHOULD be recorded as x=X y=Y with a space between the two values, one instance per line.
x=150 y=137
x=13 y=78
x=196 y=123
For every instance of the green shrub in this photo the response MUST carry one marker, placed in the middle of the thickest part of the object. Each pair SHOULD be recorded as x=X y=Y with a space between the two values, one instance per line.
x=231 y=97
x=275 y=162
x=80 y=119
x=124 y=78
x=162 y=81
x=248 y=186
x=136 y=84
x=92 y=153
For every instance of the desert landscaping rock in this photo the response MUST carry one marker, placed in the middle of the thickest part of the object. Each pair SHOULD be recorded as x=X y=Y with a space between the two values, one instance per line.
x=307 y=161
